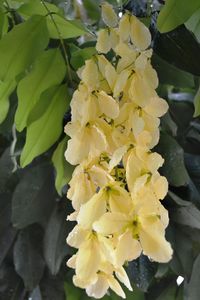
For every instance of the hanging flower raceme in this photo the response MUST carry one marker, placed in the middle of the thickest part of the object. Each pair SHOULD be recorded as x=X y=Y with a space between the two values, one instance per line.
x=116 y=188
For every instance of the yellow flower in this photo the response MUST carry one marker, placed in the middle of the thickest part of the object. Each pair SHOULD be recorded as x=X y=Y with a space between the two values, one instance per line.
x=107 y=40
x=144 y=229
x=91 y=135
x=108 y=15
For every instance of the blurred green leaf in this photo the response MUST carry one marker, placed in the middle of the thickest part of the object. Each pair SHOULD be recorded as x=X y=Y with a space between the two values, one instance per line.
x=28 y=260
x=58 y=26
x=193 y=24
x=79 y=57
x=93 y=9
x=36 y=8
x=197 y=103
x=176 y=12
x=6 y=89
x=16 y=47
x=174 y=168
x=44 y=132
x=63 y=168
x=52 y=287
x=36 y=294
x=6 y=240
x=169 y=74
x=180 y=48
x=3 y=22
x=188 y=215
x=72 y=293
x=141 y=272
x=192 y=290
x=34 y=196
x=55 y=247
x=48 y=70
x=64 y=28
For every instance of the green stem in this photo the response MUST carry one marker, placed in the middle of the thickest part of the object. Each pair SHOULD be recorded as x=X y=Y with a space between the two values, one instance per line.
x=61 y=41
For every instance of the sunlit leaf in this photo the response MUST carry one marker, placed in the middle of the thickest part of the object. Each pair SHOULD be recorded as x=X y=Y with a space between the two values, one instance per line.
x=6 y=89
x=16 y=47
x=58 y=26
x=48 y=70
x=176 y=12
x=197 y=103
x=43 y=132
x=63 y=168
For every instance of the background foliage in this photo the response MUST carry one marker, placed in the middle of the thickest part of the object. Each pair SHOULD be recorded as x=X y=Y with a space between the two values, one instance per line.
x=40 y=51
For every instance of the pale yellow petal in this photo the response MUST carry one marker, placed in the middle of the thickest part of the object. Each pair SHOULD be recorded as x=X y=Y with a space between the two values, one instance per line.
x=87 y=264
x=117 y=156
x=92 y=210
x=140 y=34
x=154 y=162
x=137 y=123
x=71 y=263
x=103 y=44
x=77 y=236
x=108 y=105
x=157 y=107
x=109 y=16
x=90 y=74
x=110 y=223
x=155 y=245
x=123 y=277
x=110 y=75
x=121 y=82
x=99 y=288
x=115 y=286
x=119 y=200
x=127 y=249
x=160 y=186
x=124 y=27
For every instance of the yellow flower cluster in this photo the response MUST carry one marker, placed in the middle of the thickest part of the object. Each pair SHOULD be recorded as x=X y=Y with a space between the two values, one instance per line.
x=116 y=188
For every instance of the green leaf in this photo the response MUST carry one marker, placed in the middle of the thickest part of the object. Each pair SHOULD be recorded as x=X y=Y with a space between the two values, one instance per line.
x=48 y=70
x=142 y=271
x=55 y=248
x=189 y=216
x=63 y=168
x=16 y=47
x=72 y=293
x=174 y=168
x=44 y=132
x=175 y=13
x=197 y=104
x=193 y=24
x=79 y=57
x=52 y=287
x=58 y=26
x=180 y=48
x=168 y=74
x=28 y=260
x=3 y=22
x=193 y=288
x=34 y=196
x=64 y=29
x=36 y=8
x=93 y=9
x=6 y=89
x=6 y=241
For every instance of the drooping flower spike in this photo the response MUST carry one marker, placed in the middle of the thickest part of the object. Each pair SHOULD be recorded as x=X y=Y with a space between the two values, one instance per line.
x=116 y=187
